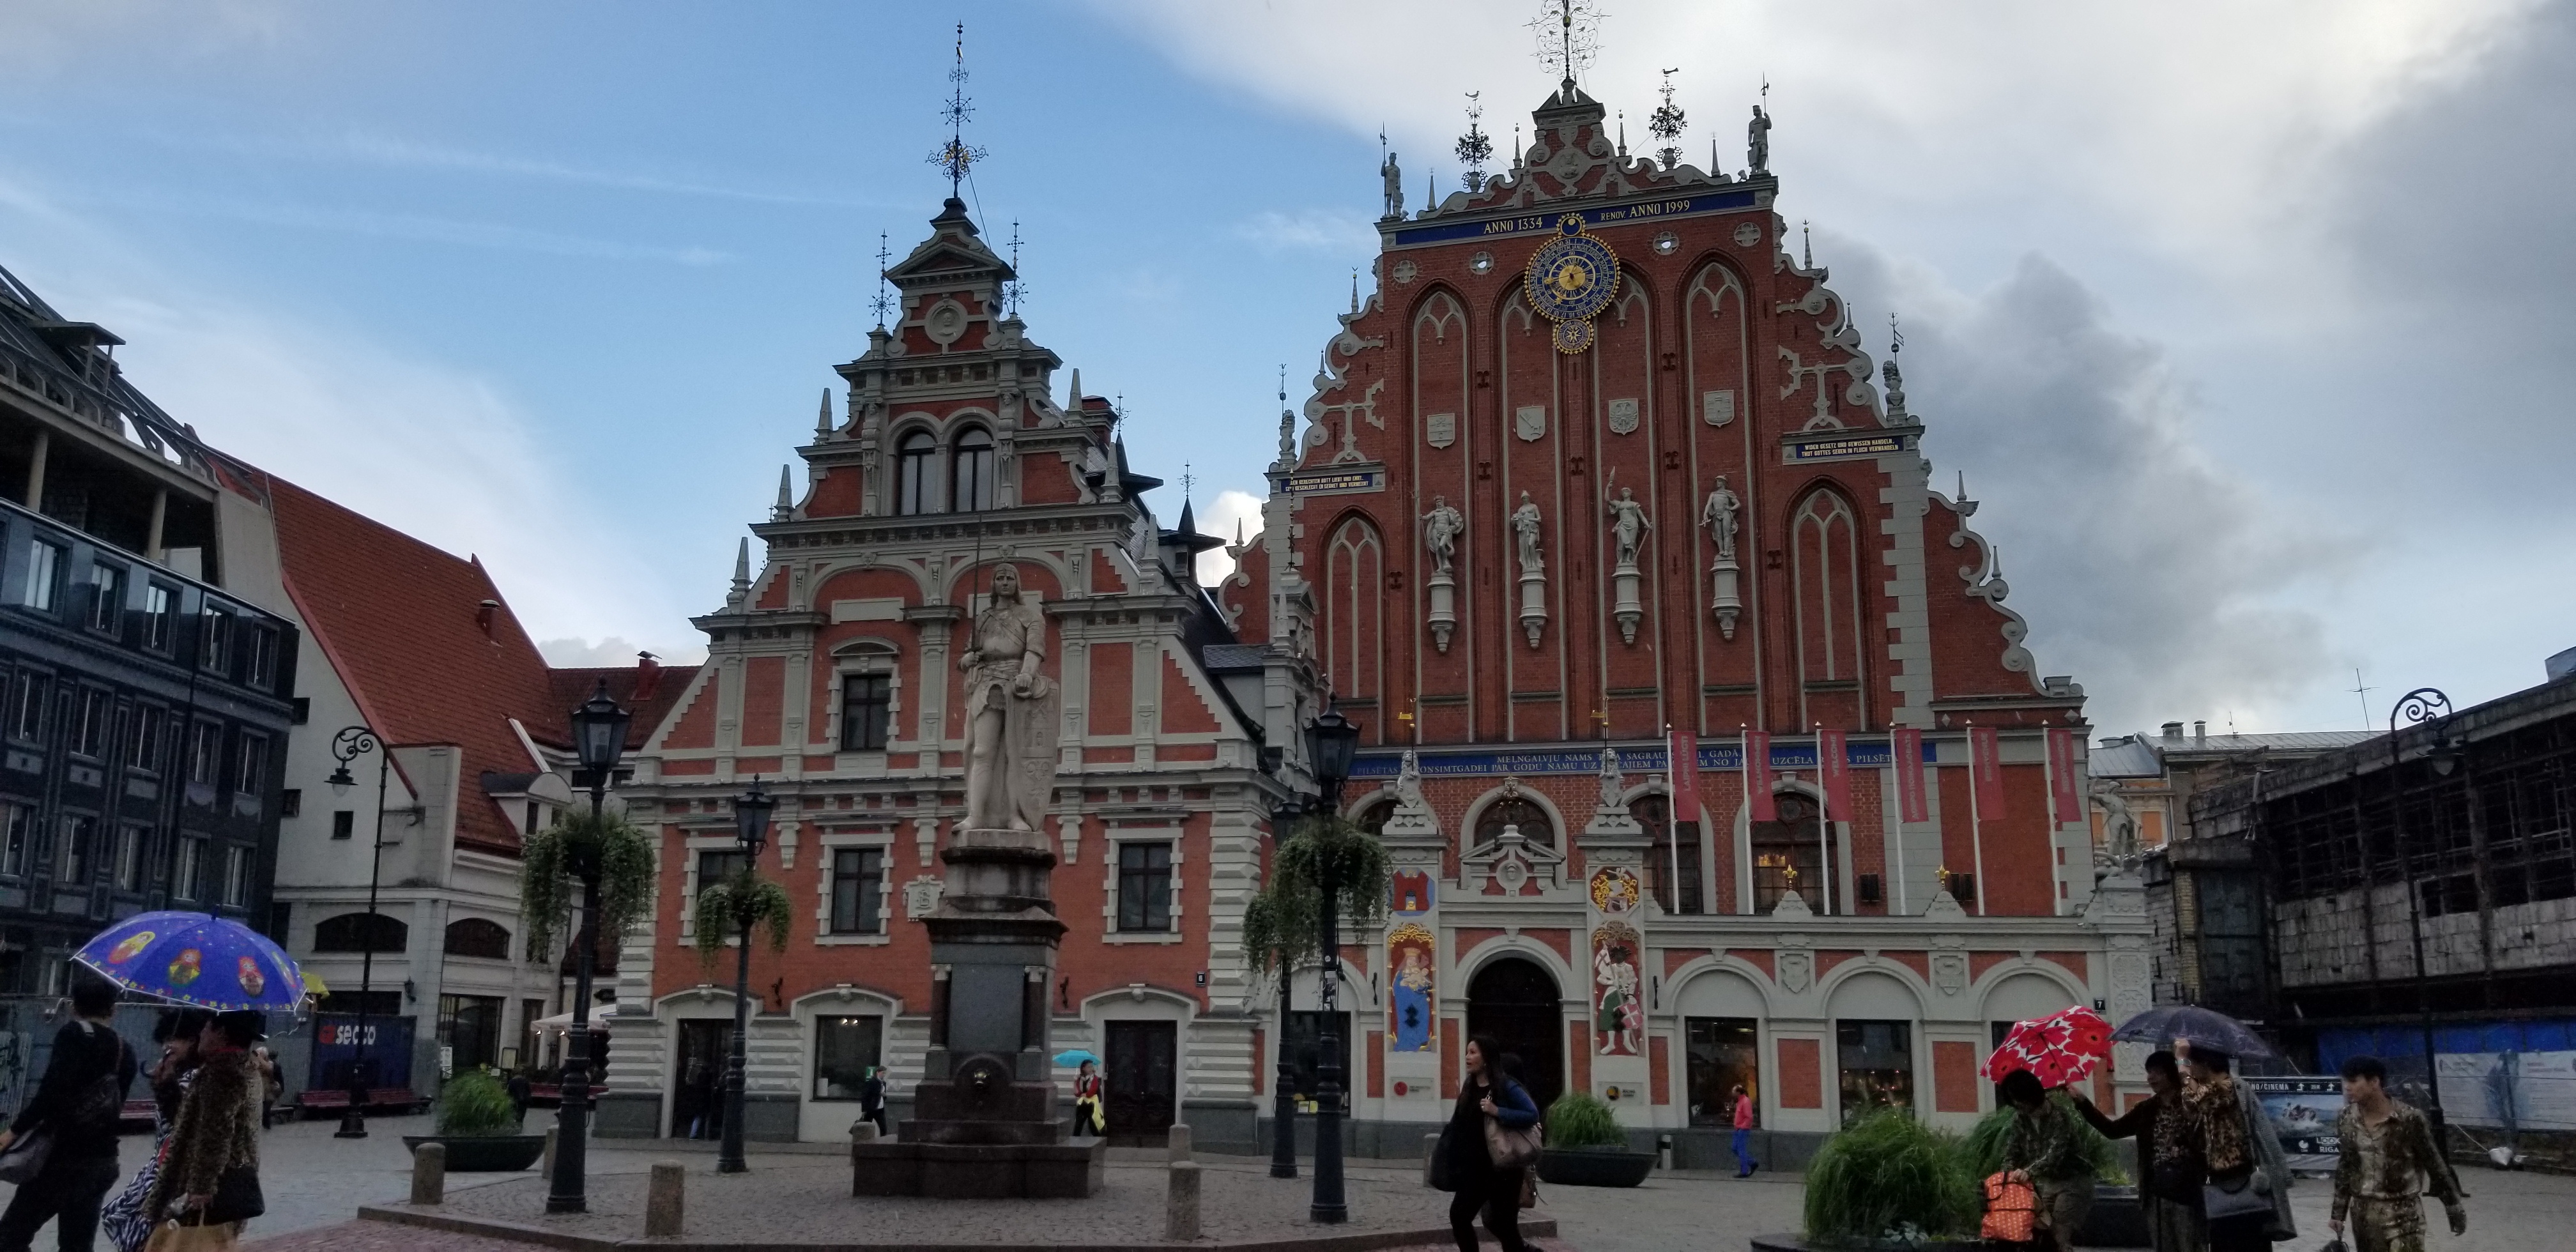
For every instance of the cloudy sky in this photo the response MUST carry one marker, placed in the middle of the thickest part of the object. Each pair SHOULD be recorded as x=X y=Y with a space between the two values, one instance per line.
x=2249 y=322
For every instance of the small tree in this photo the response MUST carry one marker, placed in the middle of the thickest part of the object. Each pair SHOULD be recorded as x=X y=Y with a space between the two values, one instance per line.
x=738 y=904
x=552 y=860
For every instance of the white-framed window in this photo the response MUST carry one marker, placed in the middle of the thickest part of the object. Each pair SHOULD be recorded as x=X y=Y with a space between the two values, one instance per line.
x=1142 y=883
x=236 y=879
x=160 y=612
x=188 y=871
x=71 y=854
x=44 y=574
x=855 y=888
x=92 y=711
x=131 y=839
x=970 y=472
x=916 y=473
x=215 y=640
x=846 y=1047
x=144 y=751
x=17 y=829
x=867 y=711
x=27 y=706
x=705 y=860
x=106 y=596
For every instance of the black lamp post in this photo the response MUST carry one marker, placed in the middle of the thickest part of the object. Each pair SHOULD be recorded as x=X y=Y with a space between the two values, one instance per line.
x=1283 y=1108
x=1330 y=741
x=598 y=739
x=351 y=743
x=2424 y=704
x=751 y=826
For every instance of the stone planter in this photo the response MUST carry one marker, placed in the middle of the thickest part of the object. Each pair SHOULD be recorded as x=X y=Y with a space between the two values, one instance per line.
x=1594 y=1167
x=485 y=1154
x=2118 y=1219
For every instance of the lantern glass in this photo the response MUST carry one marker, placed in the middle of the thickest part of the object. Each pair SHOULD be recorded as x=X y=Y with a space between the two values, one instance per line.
x=751 y=818
x=599 y=731
x=1332 y=739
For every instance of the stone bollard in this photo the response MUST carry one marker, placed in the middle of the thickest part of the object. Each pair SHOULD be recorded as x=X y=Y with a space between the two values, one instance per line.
x=1181 y=1203
x=550 y=1152
x=1430 y=1150
x=1177 y=1144
x=429 y=1174
x=663 y=1201
x=863 y=1131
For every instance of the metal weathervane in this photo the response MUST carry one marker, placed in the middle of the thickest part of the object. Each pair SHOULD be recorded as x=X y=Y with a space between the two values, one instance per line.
x=1667 y=123
x=884 y=303
x=1568 y=34
x=956 y=156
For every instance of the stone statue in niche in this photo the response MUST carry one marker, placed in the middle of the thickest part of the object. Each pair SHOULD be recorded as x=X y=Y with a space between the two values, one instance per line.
x=1719 y=516
x=2119 y=824
x=1010 y=712
x=1628 y=525
x=1394 y=179
x=1440 y=528
x=1525 y=523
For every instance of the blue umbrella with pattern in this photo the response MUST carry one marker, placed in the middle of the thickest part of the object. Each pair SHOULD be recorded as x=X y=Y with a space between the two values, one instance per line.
x=196 y=959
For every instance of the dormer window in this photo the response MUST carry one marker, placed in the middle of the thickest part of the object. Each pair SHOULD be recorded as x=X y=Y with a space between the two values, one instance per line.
x=972 y=473
x=915 y=462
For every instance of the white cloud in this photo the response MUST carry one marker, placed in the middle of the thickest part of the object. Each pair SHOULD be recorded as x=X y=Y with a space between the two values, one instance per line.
x=436 y=452
x=1234 y=513
x=1308 y=230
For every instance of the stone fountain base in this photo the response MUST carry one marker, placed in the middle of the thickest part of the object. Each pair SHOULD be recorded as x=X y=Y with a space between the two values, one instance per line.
x=978 y=1171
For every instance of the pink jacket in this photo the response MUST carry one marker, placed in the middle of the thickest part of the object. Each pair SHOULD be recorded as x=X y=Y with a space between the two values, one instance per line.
x=1744 y=1112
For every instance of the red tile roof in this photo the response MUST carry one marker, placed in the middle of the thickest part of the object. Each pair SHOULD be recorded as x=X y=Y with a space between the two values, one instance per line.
x=398 y=619
x=650 y=703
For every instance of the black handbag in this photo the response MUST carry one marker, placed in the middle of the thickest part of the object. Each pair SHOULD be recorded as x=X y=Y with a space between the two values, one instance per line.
x=1443 y=1171
x=237 y=1196
x=26 y=1156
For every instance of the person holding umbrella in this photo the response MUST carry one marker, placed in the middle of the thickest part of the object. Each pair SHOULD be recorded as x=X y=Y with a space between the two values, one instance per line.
x=211 y=1176
x=1087 y=1092
x=2171 y=1189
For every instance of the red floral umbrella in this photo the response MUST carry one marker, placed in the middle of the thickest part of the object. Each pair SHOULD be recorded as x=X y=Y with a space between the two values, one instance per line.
x=2061 y=1048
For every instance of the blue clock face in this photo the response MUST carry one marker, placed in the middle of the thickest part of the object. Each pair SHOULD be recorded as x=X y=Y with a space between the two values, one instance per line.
x=1571 y=278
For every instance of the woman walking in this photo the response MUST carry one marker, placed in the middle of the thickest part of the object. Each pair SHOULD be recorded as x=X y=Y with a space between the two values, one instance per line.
x=1481 y=1185
x=2163 y=1128
x=2239 y=1154
x=124 y=1219
x=211 y=1176
x=1087 y=1089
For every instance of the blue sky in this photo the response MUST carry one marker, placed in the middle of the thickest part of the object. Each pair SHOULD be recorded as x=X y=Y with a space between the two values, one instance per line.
x=561 y=284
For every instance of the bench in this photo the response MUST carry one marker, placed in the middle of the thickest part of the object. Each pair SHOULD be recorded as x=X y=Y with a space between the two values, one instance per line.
x=379 y=1099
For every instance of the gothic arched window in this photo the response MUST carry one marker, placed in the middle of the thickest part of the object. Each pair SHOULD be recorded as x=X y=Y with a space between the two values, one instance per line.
x=916 y=461
x=1535 y=825
x=971 y=473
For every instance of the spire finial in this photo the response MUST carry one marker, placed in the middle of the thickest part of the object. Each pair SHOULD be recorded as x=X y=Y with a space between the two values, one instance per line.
x=1355 y=289
x=956 y=157
x=823 y=417
x=1013 y=290
x=741 y=572
x=1566 y=39
x=1623 y=134
x=786 y=506
x=1666 y=124
x=1806 y=244
x=885 y=286
x=1895 y=376
x=1475 y=147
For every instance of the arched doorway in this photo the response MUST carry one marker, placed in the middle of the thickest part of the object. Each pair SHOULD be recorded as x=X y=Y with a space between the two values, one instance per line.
x=1516 y=1002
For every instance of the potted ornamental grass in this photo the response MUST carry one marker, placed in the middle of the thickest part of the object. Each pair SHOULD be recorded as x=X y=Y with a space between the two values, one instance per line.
x=1888 y=1181
x=479 y=1126
x=2117 y=1219
x=1585 y=1147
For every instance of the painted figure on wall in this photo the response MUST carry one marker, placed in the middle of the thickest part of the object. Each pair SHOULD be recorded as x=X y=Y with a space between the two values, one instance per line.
x=1619 y=1016
x=1409 y=893
x=1409 y=954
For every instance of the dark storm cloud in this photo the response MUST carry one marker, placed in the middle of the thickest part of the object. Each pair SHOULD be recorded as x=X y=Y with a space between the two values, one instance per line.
x=2146 y=570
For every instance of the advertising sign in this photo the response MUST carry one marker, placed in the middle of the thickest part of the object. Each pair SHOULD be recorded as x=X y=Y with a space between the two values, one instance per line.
x=2303 y=1112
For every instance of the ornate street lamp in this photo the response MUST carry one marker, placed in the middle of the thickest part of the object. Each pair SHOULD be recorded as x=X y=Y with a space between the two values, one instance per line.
x=599 y=739
x=351 y=743
x=2418 y=707
x=751 y=826
x=1330 y=741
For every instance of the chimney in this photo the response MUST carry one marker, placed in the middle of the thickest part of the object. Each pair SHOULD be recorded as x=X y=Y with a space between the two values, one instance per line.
x=648 y=677
x=2173 y=730
x=2199 y=729
x=483 y=615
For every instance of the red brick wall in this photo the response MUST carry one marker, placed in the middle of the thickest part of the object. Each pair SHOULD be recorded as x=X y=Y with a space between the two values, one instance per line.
x=764 y=680
x=1110 y=707
x=1801 y=1074
x=1659 y=1064
x=1954 y=1076
x=1578 y=1049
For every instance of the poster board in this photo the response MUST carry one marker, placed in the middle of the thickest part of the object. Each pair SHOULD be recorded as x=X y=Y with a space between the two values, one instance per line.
x=2303 y=1113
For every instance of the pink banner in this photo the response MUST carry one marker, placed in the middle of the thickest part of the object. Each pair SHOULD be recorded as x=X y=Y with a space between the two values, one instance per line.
x=2068 y=805
x=1685 y=771
x=1757 y=777
x=1833 y=770
x=1912 y=796
x=1985 y=760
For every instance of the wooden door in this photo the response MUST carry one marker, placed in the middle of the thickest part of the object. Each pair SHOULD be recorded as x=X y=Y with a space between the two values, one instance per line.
x=1142 y=1093
x=1515 y=1001
x=697 y=1079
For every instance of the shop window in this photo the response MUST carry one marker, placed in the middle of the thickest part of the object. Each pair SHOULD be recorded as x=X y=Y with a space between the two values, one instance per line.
x=1304 y=1042
x=1721 y=1053
x=469 y=1030
x=1876 y=1063
x=845 y=1049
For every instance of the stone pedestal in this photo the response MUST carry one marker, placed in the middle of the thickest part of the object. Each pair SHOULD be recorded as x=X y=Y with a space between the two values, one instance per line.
x=1533 y=605
x=1443 y=617
x=983 y=1124
x=1626 y=605
x=1724 y=596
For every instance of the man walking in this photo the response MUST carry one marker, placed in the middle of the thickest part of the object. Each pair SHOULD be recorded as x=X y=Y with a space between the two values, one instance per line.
x=1744 y=1162
x=78 y=1102
x=2388 y=1161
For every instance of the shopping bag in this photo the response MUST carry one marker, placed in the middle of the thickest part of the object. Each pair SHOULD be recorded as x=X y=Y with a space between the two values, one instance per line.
x=2012 y=1210
x=171 y=1236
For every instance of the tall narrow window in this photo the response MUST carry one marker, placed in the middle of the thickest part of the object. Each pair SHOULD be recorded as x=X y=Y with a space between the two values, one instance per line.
x=71 y=858
x=130 y=842
x=1145 y=887
x=160 y=611
x=250 y=775
x=858 y=880
x=17 y=825
x=867 y=704
x=205 y=753
x=187 y=874
x=27 y=707
x=144 y=752
x=44 y=570
x=972 y=473
x=916 y=462
x=215 y=641
x=91 y=714
x=236 y=876
x=106 y=596
x=261 y=670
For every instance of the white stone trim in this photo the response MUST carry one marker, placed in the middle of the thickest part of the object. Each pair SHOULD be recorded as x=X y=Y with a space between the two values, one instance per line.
x=825 y=849
x=1115 y=836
